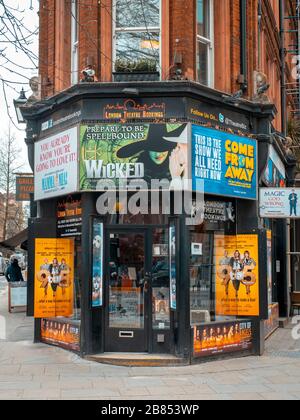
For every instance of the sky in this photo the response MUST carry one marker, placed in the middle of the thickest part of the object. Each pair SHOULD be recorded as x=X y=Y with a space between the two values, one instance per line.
x=30 y=19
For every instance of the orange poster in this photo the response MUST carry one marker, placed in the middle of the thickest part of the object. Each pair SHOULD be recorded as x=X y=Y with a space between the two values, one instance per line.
x=54 y=278
x=237 y=275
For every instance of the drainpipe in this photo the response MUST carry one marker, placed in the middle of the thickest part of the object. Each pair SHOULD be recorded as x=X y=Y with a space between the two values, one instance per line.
x=282 y=66
x=243 y=32
x=259 y=34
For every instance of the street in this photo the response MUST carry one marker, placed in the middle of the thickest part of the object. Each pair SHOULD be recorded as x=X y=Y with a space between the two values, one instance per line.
x=29 y=371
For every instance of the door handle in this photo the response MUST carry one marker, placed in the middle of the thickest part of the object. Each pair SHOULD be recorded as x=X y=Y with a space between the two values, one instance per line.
x=147 y=281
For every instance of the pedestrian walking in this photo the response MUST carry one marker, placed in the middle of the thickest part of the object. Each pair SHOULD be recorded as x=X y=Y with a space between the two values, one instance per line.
x=14 y=273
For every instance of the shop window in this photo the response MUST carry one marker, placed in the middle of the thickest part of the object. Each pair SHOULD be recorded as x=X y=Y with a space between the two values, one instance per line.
x=224 y=276
x=74 y=42
x=205 y=42
x=137 y=36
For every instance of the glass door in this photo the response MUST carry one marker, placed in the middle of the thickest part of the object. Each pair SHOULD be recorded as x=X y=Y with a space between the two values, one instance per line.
x=128 y=283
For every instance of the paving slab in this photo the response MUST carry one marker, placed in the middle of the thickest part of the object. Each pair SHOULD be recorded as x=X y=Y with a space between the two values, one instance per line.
x=40 y=372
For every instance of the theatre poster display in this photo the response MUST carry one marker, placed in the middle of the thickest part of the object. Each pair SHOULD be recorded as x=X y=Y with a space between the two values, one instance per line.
x=55 y=165
x=97 y=286
x=237 y=275
x=279 y=203
x=225 y=163
x=125 y=152
x=216 y=339
x=69 y=216
x=54 y=278
x=60 y=333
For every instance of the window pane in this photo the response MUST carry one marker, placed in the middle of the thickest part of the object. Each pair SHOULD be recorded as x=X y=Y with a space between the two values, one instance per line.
x=161 y=280
x=203 y=18
x=202 y=64
x=137 y=13
x=139 y=48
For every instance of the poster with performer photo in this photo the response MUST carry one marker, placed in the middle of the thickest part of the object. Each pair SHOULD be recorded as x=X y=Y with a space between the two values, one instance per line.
x=217 y=339
x=126 y=152
x=279 y=203
x=237 y=275
x=54 y=278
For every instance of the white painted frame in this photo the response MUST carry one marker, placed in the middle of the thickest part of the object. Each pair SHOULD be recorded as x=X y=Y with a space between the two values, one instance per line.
x=209 y=42
x=136 y=29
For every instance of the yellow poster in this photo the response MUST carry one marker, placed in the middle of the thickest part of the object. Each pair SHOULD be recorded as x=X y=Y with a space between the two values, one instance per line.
x=54 y=278
x=237 y=275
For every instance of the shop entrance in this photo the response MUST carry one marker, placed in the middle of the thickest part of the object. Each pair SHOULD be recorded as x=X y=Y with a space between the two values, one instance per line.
x=137 y=290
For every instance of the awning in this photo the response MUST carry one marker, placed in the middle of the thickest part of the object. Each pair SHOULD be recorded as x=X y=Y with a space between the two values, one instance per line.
x=18 y=240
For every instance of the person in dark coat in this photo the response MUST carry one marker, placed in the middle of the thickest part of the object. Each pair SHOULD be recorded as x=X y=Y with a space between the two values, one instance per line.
x=14 y=273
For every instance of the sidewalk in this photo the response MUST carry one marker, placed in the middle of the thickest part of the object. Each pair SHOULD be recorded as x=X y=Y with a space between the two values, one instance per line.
x=29 y=371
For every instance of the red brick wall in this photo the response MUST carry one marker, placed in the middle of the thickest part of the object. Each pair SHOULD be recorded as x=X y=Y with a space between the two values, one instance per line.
x=179 y=37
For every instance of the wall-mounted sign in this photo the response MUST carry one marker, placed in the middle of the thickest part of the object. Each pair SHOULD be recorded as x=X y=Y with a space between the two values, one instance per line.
x=56 y=165
x=124 y=152
x=54 y=278
x=237 y=275
x=219 y=211
x=24 y=187
x=225 y=163
x=98 y=249
x=63 y=117
x=61 y=334
x=218 y=117
x=224 y=338
x=131 y=110
x=275 y=173
x=279 y=203
x=69 y=216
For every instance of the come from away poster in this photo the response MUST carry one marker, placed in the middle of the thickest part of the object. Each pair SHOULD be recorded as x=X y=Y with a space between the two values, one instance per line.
x=226 y=163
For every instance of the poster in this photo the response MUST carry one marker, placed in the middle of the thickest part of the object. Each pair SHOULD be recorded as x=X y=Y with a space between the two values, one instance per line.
x=173 y=273
x=69 y=216
x=126 y=308
x=125 y=152
x=226 y=163
x=60 y=333
x=161 y=307
x=222 y=338
x=279 y=203
x=97 y=286
x=275 y=173
x=56 y=165
x=54 y=278
x=237 y=275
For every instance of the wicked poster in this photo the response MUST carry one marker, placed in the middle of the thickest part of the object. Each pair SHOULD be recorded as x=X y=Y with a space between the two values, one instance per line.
x=125 y=152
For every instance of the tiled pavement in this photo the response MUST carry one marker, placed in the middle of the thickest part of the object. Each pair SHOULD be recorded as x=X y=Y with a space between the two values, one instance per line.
x=29 y=371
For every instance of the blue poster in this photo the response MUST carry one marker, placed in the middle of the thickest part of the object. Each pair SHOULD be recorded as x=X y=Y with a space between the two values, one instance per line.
x=97 y=285
x=226 y=163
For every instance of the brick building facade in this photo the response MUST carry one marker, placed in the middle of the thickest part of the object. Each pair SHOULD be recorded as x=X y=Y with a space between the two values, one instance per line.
x=95 y=23
x=167 y=90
